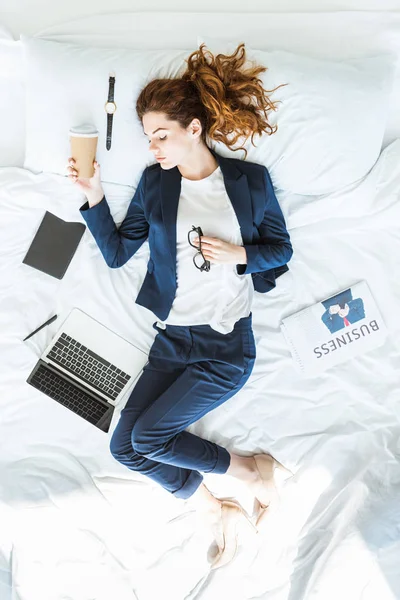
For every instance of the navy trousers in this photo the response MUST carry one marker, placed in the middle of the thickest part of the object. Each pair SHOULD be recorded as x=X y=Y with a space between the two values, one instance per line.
x=190 y=371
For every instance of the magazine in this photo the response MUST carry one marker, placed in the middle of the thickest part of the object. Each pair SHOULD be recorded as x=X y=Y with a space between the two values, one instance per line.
x=334 y=330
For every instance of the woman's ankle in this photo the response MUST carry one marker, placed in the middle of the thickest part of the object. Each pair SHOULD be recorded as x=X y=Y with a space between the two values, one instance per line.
x=243 y=468
x=203 y=499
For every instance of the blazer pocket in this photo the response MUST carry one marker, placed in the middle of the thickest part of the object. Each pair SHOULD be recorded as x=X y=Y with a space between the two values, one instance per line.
x=150 y=265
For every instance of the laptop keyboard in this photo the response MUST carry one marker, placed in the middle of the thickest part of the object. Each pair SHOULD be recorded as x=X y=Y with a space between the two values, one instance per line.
x=89 y=366
x=52 y=384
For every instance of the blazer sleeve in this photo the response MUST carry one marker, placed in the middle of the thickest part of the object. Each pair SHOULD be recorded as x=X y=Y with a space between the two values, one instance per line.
x=274 y=248
x=118 y=245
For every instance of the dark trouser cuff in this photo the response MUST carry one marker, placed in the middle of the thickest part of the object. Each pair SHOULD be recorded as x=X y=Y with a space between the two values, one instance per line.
x=223 y=461
x=190 y=486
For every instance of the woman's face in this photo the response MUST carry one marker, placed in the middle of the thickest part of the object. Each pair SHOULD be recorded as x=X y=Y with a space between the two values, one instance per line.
x=172 y=142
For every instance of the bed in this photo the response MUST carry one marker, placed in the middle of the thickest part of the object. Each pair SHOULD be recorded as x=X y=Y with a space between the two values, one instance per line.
x=77 y=524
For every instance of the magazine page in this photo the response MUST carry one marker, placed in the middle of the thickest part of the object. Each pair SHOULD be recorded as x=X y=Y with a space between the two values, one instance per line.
x=334 y=330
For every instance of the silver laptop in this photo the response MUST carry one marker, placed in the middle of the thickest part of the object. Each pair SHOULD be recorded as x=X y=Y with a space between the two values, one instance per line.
x=88 y=368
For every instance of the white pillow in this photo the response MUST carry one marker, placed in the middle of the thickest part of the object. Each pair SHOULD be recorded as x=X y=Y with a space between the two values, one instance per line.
x=12 y=104
x=67 y=85
x=331 y=121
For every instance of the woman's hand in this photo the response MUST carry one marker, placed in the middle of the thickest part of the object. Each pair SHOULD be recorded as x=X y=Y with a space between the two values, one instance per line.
x=91 y=187
x=219 y=252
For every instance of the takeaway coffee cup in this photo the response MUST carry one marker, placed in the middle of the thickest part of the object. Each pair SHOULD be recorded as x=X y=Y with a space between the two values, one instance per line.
x=83 y=139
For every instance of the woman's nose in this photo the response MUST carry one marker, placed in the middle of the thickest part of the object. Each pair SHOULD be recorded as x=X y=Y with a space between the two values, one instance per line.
x=152 y=147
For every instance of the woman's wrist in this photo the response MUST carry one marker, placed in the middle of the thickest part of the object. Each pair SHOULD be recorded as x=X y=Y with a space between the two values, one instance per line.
x=242 y=256
x=94 y=199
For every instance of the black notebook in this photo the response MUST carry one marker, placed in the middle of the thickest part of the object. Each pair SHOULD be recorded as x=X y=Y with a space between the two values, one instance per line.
x=54 y=245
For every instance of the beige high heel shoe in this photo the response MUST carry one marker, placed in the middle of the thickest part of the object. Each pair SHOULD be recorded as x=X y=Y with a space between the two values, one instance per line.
x=231 y=515
x=268 y=496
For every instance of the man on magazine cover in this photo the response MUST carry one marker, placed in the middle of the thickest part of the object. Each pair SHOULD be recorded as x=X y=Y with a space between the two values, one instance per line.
x=341 y=311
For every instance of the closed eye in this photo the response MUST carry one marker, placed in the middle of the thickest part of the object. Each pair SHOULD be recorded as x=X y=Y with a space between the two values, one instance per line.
x=161 y=139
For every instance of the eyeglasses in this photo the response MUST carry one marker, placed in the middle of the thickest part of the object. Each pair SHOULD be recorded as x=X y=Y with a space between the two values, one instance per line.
x=200 y=261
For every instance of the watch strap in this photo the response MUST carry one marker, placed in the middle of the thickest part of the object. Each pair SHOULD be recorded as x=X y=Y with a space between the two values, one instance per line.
x=109 y=130
x=111 y=82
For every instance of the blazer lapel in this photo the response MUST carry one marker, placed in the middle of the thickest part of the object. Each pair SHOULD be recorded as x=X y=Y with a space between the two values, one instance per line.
x=236 y=186
x=170 y=192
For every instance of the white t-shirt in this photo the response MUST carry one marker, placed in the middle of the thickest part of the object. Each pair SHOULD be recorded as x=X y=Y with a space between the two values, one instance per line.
x=219 y=297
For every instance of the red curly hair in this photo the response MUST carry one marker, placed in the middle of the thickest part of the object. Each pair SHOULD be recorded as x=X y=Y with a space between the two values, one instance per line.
x=227 y=101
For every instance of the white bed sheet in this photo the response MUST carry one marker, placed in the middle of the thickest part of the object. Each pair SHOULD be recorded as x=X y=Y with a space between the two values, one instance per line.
x=77 y=524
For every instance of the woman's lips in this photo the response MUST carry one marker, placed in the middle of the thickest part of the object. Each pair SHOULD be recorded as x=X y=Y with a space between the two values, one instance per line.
x=162 y=158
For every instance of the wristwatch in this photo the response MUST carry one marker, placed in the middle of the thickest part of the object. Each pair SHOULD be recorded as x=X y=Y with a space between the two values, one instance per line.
x=110 y=108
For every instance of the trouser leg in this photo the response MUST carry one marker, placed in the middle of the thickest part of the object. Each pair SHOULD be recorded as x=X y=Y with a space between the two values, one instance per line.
x=159 y=431
x=170 y=395
x=172 y=478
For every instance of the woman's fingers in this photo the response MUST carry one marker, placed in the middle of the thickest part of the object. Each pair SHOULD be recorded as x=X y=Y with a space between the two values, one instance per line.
x=70 y=167
x=209 y=240
x=96 y=170
x=208 y=253
x=72 y=173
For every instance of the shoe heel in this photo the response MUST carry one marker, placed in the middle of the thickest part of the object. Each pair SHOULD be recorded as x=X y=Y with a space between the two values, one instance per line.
x=262 y=517
x=247 y=519
x=282 y=468
x=266 y=465
x=249 y=523
x=229 y=515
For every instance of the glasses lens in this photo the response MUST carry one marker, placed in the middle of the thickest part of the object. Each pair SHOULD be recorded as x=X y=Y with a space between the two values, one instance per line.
x=198 y=260
x=192 y=235
x=201 y=263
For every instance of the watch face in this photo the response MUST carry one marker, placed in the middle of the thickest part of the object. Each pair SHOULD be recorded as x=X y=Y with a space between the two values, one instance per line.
x=110 y=107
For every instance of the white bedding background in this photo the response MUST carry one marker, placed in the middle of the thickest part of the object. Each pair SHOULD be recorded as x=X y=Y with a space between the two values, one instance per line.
x=75 y=524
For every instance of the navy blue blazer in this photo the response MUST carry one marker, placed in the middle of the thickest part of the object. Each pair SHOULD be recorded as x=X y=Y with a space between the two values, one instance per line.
x=152 y=215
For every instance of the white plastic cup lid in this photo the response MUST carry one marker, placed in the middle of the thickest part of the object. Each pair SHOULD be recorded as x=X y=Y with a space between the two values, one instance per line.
x=85 y=130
